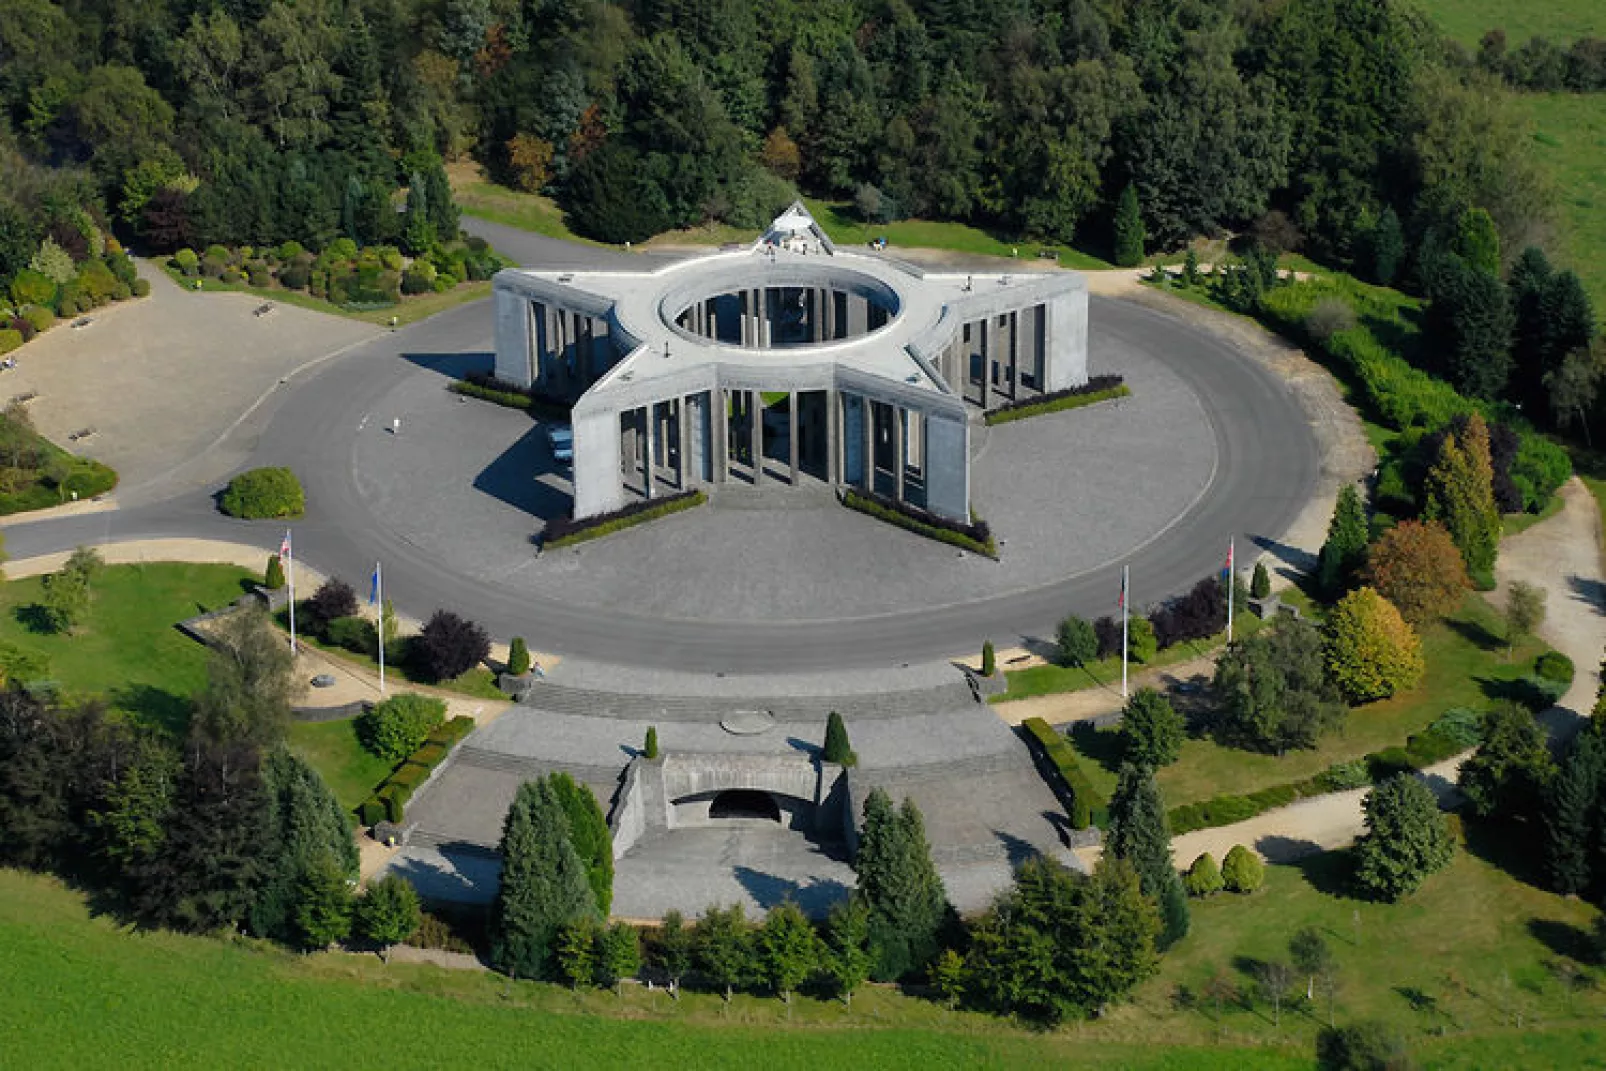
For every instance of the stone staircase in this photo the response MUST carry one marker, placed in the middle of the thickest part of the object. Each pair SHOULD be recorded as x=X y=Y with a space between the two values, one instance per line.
x=558 y=699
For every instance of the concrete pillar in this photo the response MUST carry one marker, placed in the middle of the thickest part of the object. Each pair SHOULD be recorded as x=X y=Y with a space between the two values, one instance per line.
x=869 y=443
x=898 y=432
x=830 y=314
x=651 y=428
x=791 y=418
x=755 y=418
x=833 y=433
x=683 y=472
x=719 y=433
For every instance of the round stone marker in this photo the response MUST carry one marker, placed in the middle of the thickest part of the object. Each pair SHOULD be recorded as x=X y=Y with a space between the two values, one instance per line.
x=747 y=722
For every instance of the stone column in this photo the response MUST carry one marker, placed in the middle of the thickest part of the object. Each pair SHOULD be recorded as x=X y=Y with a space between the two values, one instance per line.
x=651 y=459
x=683 y=427
x=830 y=314
x=719 y=435
x=898 y=449
x=833 y=433
x=869 y=442
x=791 y=418
x=755 y=418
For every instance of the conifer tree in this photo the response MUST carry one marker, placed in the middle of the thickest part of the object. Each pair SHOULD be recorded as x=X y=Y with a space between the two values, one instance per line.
x=588 y=832
x=1129 y=234
x=899 y=885
x=1571 y=814
x=518 y=657
x=848 y=960
x=308 y=827
x=1260 y=585
x=1152 y=729
x=1345 y=548
x=788 y=948
x=1406 y=840
x=419 y=233
x=388 y=913
x=1140 y=834
x=1460 y=493
x=649 y=748
x=837 y=749
x=543 y=884
x=324 y=903
x=273 y=578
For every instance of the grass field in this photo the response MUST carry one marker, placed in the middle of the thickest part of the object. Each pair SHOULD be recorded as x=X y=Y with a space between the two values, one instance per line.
x=1466 y=663
x=1570 y=138
x=1560 y=20
x=1055 y=679
x=128 y=649
x=350 y=770
x=1451 y=969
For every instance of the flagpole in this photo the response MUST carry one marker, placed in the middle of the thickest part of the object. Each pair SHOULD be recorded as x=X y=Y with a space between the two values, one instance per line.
x=290 y=553
x=1126 y=599
x=1231 y=577
x=379 y=589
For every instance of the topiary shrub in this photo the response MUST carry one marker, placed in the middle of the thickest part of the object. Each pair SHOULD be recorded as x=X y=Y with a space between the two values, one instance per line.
x=263 y=493
x=273 y=577
x=989 y=659
x=650 y=747
x=187 y=262
x=837 y=748
x=371 y=812
x=396 y=727
x=1203 y=877
x=1242 y=871
x=1260 y=586
x=1554 y=666
x=395 y=798
x=518 y=657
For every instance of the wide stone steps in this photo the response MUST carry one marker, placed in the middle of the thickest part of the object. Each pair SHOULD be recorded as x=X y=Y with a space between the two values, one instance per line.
x=531 y=768
x=558 y=699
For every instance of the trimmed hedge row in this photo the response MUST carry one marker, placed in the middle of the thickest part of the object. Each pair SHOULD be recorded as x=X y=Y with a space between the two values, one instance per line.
x=1096 y=389
x=566 y=531
x=1445 y=738
x=389 y=801
x=975 y=537
x=1086 y=806
x=486 y=387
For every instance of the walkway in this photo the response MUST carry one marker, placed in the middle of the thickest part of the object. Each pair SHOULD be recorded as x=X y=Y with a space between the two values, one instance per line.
x=1561 y=555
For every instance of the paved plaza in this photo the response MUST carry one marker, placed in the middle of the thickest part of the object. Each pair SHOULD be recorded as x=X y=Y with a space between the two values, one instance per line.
x=470 y=484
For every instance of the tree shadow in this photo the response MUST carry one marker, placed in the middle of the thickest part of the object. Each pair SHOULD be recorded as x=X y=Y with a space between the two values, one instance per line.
x=815 y=897
x=33 y=618
x=1293 y=563
x=1016 y=849
x=1589 y=590
x=1104 y=746
x=1566 y=940
x=1285 y=850
x=1328 y=872
x=1476 y=633
x=1509 y=846
x=1422 y=1002
x=155 y=706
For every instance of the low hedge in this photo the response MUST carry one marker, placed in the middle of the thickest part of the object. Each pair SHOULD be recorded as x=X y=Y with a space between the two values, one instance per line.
x=410 y=775
x=487 y=388
x=1554 y=666
x=975 y=537
x=257 y=494
x=429 y=756
x=371 y=812
x=1086 y=807
x=453 y=731
x=395 y=798
x=1096 y=389
x=566 y=531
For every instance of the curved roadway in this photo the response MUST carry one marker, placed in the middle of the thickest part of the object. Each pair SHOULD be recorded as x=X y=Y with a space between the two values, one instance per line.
x=1267 y=470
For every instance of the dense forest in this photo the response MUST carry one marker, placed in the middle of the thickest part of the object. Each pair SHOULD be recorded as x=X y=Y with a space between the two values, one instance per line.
x=244 y=121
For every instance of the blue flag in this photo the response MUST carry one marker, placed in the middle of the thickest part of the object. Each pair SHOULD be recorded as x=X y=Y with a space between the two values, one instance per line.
x=373 y=586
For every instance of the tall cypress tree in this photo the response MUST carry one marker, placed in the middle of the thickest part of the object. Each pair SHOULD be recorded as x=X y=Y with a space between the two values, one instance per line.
x=543 y=883
x=1460 y=493
x=1571 y=814
x=1129 y=233
x=900 y=886
x=1140 y=834
x=1345 y=547
x=419 y=233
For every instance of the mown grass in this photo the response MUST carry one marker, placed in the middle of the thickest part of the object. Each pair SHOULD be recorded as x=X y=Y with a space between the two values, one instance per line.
x=411 y=309
x=128 y=650
x=1106 y=672
x=1570 y=139
x=1467 y=666
x=350 y=770
x=1452 y=969
x=1560 y=20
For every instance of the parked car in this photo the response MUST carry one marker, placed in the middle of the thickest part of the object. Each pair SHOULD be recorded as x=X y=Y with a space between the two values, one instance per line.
x=561 y=438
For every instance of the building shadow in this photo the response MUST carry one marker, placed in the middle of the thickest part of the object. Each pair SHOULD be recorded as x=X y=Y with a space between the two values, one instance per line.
x=520 y=476
x=453 y=365
x=467 y=874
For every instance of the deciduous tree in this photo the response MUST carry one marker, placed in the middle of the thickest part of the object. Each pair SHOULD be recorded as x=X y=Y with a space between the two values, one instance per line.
x=1415 y=566
x=789 y=949
x=1371 y=652
x=1273 y=689
x=387 y=913
x=449 y=646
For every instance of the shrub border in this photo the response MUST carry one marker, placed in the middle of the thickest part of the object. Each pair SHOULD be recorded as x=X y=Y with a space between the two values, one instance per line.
x=487 y=388
x=389 y=801
x=571 y=532
x=1085 y=807
x=1097 y=389
x=975 y=537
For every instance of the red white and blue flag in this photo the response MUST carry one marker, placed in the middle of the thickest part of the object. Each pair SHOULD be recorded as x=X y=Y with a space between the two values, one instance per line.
x=1120 y=602
x=284 y=545
x=1226 y=570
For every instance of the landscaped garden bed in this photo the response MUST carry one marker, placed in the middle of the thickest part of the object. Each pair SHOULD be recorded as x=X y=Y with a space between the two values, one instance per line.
x=975 y=537
x=567 y=532
x=1097 y=389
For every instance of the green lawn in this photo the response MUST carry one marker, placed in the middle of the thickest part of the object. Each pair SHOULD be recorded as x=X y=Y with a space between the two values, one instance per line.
x=1560 y=20
x=1055 y=679
x=1570 y=138
x=129 y=650
x=351 y=772
x=1466 y=662
x=1450 y=969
